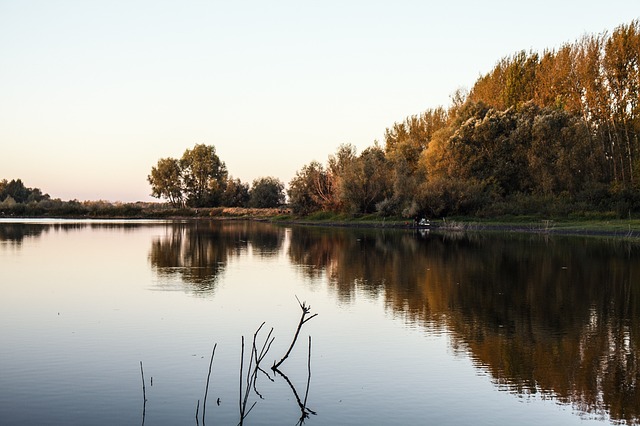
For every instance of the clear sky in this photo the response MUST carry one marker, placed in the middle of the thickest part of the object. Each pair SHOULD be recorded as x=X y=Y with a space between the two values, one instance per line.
x=93 y=93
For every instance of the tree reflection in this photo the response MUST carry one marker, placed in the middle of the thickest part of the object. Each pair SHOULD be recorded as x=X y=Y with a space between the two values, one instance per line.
x=557 y=316
x=197 y=252
x=15 y=233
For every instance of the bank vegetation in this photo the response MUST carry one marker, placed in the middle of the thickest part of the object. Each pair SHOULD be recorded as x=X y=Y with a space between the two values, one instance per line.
x=548 y=135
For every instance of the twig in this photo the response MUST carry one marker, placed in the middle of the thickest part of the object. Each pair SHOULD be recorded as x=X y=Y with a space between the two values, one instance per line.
x=206 y=389
x=144 y=395
x=305 y=411
x=305 y=311
x=144 y=390
x=198 y=409
x=306 y=393
x=265 y=347
x=241 y=366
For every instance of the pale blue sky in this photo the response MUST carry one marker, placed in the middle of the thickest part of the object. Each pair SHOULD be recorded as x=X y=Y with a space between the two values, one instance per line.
x=93 y=93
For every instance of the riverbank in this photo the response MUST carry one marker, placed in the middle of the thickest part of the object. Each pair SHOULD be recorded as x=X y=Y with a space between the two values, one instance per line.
x=620 y=228
x=600 y=226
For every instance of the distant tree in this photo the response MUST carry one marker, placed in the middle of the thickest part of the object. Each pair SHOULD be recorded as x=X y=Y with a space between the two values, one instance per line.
x=236 y=193
x=19 y=193
x=266 y=192
x=367 y=181
x=309 y=189
x=166 y=181
x=204 y=176
x=337 y=166
x=16 y=190
x=198 y=179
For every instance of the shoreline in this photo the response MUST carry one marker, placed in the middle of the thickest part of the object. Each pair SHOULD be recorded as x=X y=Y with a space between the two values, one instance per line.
x=617 y=228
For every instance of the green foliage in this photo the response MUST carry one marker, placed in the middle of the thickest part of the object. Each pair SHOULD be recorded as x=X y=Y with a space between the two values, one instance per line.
x=322 y=216
x=166 y=181
x=204 y=176
x=15 y=191
x=198 y=179
x=236 y=194
x=310 y=190
x=366 y=181
x=266 y=192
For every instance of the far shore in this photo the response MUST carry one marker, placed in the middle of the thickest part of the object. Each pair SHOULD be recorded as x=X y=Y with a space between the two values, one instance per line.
x=604 y=226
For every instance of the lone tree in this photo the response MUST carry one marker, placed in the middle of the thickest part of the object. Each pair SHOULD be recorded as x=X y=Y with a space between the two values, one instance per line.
x=198 y=179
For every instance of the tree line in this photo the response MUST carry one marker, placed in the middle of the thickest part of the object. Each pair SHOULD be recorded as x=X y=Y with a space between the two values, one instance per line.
x=553 y=132
x=200 y=179
x=14 y=191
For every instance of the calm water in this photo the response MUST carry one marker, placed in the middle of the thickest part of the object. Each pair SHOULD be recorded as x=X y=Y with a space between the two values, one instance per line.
x=411 y=328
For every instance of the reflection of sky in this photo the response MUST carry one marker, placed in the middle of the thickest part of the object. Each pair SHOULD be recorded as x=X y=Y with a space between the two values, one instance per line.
x=78 y=316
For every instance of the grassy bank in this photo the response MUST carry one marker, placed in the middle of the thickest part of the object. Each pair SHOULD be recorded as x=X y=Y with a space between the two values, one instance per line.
x=605 y=225
x=602 y=224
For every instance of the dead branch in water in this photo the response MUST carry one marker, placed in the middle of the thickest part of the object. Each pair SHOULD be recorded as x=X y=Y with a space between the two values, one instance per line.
x=144 y=394
x=305 y=311
x=252 y=371
x=206 y=389
x=305 y=411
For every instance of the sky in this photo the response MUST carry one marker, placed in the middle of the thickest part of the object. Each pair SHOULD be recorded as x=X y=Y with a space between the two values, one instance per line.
x=93 y=93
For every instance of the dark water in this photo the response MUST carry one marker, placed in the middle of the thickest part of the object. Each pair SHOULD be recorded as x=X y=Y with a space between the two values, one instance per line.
x=411 y=328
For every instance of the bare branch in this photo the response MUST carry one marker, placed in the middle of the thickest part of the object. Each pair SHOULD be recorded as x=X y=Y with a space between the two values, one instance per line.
x=305 y=311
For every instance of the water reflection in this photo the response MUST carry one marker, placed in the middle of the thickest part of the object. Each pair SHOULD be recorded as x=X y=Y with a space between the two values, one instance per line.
x=557 y=317
x=197 y=252
x=15 y=233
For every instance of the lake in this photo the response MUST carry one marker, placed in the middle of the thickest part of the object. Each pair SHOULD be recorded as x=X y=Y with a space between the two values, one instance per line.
x=411 y=327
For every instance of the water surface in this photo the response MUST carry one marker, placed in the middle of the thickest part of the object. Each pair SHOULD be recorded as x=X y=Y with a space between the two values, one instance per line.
x=411 y=327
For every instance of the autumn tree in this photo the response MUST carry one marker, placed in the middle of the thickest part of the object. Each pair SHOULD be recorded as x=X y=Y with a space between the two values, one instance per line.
x=337 y=166
x=621 y=63
x=310 y=190
x=563 y=125
x=166 y=181
x=404 y=144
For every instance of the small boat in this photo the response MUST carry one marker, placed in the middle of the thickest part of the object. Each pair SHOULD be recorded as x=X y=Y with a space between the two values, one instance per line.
x=423 y=223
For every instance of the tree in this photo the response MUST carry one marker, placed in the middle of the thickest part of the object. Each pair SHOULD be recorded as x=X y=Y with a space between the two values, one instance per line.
x=19 y=193
x=621 y=65
x=404 y=144
x=310 y=189
x=318 y=188
x=204 y=176
x=236 y=193
x=267 y=192
x=166 y=181
x=366 y=181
